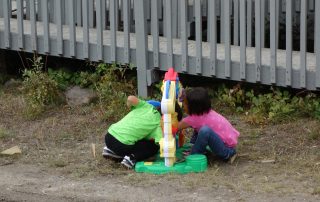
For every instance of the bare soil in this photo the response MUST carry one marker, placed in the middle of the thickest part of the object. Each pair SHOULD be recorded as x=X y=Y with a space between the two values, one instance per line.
x=276 y=162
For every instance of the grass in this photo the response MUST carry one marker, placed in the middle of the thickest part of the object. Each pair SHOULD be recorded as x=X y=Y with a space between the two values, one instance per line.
x=4 y=134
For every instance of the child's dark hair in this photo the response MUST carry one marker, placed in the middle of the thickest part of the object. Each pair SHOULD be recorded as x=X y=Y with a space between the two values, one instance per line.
x=198 y=101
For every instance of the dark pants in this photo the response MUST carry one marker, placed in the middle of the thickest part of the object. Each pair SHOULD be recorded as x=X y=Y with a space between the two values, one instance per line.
x=141 y=150
x=207 y=137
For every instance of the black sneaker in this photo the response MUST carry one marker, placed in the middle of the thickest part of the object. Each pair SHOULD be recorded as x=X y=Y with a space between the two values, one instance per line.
x=109 y=153
x=128 y=162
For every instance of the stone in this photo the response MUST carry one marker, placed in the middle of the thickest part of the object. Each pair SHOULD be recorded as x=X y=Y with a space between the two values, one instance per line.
x=77 y=96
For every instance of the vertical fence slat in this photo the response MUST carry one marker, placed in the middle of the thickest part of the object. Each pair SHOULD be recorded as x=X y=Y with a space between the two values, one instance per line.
x=213 y=36
x=155 y=32
x=39 y=8
x=99 y=33
x=126 y=29
x=45 y=18
x=7 y=14
x=236 y=23
x=273 y=41
x=227 y=38
x=91 y=13
x=258 y=39
x=113 y=28
x=169 y=34
x=184 y=36
x=278 y=10
x=263 y=16
x=141 y=53
x=104 y=14
x=198 y=37
x=317 y=45
x=20 y=23
x=28 y=10
x=303 y=43
x=249 y=23
x=33 y=24
x=72 y=31
x=78 y=13
x=243 y=39
x=58 y=12
x=288 y=41
x=174 y=4
x=222 y=21
x=1 y=9
x=85 y=12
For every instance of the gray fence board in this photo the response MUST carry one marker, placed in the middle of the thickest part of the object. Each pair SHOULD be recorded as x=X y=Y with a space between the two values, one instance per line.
x=91 y=13
x=258 y=39
x=33 y=26
x=243 y=39
x=222 y=21
x=169 y=33
x=303 y=43
x=288 y=41
x=100 y=33
x=126 y=30
x=72 y=32
x=155 y=32
x=58 y=20
x=141 y=38
x=262 y=24
x=213 y=36
x=273 y=41
x=20 y=14
x=198 y=37
x=249 y=23
x=113 y=27
x=45 y=19
x=184 y=35
x=7 y=15
x=85 y=20
x=227 y=41
x=236 y=23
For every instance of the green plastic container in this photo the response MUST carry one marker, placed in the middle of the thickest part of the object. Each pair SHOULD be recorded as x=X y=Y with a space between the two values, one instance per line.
x=197 y=162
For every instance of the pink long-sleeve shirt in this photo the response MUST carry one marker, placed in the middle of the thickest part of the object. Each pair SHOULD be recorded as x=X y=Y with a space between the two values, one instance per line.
x=217 y=123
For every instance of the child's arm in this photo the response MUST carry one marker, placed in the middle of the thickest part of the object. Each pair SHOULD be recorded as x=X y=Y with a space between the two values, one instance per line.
x=132 y=101
x=183 y=125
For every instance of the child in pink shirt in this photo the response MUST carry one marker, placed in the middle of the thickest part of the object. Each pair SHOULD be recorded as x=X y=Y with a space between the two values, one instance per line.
x=213 y=129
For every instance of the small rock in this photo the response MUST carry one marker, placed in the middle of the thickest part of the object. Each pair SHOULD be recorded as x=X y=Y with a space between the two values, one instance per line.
x=12 y=83
x=77 y=96
x=12 y=151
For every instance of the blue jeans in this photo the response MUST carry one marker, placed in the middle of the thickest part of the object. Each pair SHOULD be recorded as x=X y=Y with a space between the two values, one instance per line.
x=207 y=137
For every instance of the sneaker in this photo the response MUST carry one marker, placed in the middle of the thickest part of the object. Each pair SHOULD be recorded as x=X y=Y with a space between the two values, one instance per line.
x=128 y=162
x=109 y=153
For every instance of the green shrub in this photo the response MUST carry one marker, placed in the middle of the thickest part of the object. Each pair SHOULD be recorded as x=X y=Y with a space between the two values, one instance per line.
x=113 y=89
x=39 y=89
x=274 y=106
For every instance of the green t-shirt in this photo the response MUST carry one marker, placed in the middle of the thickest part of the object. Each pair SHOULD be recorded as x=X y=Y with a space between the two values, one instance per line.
x=142 y=122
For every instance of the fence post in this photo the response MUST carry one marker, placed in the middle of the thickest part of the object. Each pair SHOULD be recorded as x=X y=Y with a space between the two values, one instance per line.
x=141 y=49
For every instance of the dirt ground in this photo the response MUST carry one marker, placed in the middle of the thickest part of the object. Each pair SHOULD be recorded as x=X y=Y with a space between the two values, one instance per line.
x=275 y=163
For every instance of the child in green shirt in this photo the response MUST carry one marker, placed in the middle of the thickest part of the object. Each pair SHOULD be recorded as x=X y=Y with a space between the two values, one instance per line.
x=136 y=136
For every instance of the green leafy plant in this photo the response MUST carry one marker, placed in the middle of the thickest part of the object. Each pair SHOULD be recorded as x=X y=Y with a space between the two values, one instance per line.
x=274 y=106
x=113 y=89
x=39 y=89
